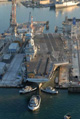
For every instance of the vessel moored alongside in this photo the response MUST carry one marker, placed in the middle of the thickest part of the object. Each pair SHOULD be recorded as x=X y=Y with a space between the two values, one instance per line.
x=67 y=117
x=27 y=89
x=49 y=90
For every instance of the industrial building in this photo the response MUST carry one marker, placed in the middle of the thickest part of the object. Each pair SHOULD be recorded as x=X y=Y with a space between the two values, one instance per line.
x=13 y=48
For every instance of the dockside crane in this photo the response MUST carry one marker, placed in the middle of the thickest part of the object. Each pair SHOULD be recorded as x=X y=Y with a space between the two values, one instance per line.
x=13 y=23
x=29 y=22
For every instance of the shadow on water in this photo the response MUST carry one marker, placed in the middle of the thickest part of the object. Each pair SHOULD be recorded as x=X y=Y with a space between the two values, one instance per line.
x=52 y=9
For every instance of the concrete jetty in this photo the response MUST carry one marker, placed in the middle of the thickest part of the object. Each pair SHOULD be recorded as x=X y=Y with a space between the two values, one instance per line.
x=74 y=70
x=12 y=78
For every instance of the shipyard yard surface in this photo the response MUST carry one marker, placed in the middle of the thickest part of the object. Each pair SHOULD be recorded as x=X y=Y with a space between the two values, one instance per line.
x=56 y=106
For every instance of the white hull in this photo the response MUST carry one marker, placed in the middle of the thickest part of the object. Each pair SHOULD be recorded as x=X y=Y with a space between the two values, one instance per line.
x=23 y=92
x=33 y=108
x=66 y=4
x=67 y=117
x=50 y=92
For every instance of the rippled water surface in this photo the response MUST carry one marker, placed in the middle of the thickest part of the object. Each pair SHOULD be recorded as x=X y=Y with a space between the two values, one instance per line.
x=15 y=106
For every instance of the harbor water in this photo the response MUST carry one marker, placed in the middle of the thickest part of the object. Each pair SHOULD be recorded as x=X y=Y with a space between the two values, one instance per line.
x=15 y=106
x=55 y=17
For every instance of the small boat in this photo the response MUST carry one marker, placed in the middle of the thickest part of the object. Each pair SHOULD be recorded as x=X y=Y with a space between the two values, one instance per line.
x=67 y=117
x=34 y=102
x=27 y=89
x=49 y=90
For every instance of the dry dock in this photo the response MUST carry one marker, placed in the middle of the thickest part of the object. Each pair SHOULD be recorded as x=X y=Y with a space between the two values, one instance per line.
x=52 y=45
x=51 y=54
x=74 y=34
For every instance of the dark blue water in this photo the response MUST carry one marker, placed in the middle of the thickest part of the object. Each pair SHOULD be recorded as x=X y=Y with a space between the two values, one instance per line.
x=15 y=106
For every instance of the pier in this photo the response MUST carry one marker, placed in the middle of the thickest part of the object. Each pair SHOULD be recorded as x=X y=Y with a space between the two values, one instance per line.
x=74 y=70
x=13 y=76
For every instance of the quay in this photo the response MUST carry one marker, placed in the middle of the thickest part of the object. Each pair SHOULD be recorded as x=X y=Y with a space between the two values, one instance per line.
x=13 y=77
x=73 y=32
x=74 y=88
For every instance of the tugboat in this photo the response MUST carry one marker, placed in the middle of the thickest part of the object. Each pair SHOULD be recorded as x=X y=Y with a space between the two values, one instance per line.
x=49 y=90
x=67 y=117
x=34 y=102
x=27 y=89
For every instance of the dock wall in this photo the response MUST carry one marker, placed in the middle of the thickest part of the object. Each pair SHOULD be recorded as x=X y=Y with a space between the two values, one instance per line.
x=74 y=89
